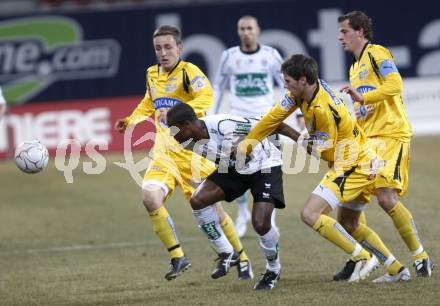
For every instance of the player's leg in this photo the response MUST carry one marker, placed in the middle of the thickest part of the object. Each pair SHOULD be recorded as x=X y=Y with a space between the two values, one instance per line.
x=243 y=215
x=348 y=215
x=202 y=168
x=276 y=140
x=202 y=203
x=406 y=226
x=321 y=202
x=267 y=191
x=157 y=186
x=269 y=239
x=390 y=185
x=348 y=268
x=244 y=267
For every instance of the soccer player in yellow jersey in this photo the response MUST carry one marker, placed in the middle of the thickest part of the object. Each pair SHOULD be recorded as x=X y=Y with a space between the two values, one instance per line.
x=376 y=88
x=334 y=135
x=170 y=82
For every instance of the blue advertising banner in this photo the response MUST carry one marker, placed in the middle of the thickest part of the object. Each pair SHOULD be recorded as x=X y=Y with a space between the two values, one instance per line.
x=105 y=53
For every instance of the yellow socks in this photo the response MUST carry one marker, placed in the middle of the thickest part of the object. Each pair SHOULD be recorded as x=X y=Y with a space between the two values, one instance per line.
x=363 y=218
x=371 y=241
x=335 y=233
x=228 y=228
x=163 y=226
x=406 y=226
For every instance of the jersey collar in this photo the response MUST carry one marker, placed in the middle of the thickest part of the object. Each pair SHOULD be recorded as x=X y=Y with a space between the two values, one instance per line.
x=251 y=52
x=312 y=100
x=362 y=53
x=171 y=71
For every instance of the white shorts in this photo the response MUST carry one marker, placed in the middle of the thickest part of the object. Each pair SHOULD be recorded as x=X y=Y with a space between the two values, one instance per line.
x=328 y=195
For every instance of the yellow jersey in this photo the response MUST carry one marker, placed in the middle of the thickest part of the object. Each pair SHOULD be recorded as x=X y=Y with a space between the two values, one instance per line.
x=185 y=83
x=336 y=135
x=376 y=77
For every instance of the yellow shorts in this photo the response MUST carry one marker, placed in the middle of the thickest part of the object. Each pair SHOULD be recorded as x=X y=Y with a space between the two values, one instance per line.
x=395 y=154
x=342 y=188
x=185 y=169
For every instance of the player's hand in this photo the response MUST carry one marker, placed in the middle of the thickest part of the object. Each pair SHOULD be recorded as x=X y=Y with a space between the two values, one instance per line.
x=362 y=111
x=120 y=125
x=233 y=158
x=162 y=117
x=354 y=94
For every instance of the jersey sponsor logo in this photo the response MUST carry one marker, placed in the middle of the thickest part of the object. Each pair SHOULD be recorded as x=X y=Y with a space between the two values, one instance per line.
x=327 y=89
x=198 y=82
x=363 y=74
x=242 y=128
x=172 y=79
x=365 y=88
x=251 y=84
x=287 y=103
x=165 y=102
x=170 y=87
x=321 y=140
x=387 y=67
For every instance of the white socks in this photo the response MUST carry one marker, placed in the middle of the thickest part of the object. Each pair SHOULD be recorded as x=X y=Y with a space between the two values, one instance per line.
x=209 y=223
x=269 y=246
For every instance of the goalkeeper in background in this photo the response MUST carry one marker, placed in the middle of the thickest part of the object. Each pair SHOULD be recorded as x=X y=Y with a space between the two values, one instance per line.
x=170 y=82
x=376 y=88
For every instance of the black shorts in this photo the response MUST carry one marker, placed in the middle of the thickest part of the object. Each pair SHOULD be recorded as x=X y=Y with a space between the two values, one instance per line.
x=265 y=187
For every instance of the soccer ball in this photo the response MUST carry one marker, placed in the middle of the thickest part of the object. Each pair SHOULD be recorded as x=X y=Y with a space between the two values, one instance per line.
x=31 y=156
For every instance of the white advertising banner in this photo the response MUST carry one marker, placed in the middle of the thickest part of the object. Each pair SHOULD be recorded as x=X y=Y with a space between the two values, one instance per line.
x=422 y=100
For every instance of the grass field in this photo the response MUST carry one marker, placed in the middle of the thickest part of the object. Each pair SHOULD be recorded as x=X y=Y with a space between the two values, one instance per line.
x=91 y=243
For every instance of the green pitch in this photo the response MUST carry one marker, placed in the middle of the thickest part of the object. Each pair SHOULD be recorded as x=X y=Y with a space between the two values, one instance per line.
x=91 y=243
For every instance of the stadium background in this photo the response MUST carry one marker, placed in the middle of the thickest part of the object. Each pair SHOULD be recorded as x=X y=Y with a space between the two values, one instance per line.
x=69 y=69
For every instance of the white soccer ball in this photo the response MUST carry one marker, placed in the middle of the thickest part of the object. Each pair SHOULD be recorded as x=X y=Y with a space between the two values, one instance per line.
x=31 y=156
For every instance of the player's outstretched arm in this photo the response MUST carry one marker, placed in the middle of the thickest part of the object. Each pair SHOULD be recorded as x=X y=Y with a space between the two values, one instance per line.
x=286 y=130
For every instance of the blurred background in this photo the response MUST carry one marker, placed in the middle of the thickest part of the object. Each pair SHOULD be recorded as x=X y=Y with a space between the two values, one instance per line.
x=69 y=68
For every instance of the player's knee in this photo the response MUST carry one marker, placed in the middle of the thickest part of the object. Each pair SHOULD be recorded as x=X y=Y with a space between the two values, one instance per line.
x=196 y=201
x=151 y=203
x=261 y=225
x=349 y=225
x=308 y=216
x=387 y=202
